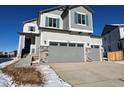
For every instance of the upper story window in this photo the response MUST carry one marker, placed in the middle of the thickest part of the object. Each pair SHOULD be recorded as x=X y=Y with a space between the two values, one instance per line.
x=81 y=18
x=31 y=28
x=52 y=22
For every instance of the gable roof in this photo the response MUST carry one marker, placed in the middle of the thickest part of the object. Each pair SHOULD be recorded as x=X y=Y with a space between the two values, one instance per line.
x=53 y=8
x=74 y=6
x=30 y=20
x=109 y=28
x=85 y=6
x=64 y=7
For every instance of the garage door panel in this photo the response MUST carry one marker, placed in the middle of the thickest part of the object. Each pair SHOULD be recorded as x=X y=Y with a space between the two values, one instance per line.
x=65 y=54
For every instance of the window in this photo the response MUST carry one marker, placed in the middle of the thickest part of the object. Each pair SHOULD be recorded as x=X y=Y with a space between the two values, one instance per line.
x=81 y=18
x=31 y=28
x=94 y=46
x=72 y=45
x=52 y=22
x=53 y=44
x=80 y=45
x=63 y=44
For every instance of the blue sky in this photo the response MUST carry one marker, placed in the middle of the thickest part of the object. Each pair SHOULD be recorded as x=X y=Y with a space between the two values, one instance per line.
x=12 y=17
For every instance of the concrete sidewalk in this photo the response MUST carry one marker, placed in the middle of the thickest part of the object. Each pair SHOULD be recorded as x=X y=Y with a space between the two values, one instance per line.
x=95 y=74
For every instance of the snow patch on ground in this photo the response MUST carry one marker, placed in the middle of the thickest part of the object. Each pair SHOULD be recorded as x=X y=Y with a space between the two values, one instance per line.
x=119 y=62
x=51 y=77
x=5 y=80
x=4 y=64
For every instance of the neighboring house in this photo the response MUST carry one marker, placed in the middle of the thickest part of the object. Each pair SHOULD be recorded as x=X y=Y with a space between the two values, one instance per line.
x=113 y=38
x=61 y=34
x=12 y=53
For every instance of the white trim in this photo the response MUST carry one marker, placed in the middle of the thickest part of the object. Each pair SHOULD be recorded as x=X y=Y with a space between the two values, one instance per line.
x=81 y=13
x=80 y=30
x=41 y=20
x=95 y=44
x=85 y=59
x=69 y=19
x=81 y=24
x=64 y=41
x=52 y=27
x=91 y=21
x=57 y=41
x=19 y=47
x=52 y=22
x=77 y=42
x=44 y=15
x=32 y=46
x=81 y=19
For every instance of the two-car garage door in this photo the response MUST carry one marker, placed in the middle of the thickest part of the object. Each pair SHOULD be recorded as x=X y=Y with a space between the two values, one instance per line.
x=65 y=52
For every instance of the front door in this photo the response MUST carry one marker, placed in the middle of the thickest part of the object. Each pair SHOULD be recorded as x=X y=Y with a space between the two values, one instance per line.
x=27 y=44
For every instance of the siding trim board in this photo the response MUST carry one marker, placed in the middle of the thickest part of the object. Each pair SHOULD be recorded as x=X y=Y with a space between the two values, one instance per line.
x=62 y=31
x=24 y=33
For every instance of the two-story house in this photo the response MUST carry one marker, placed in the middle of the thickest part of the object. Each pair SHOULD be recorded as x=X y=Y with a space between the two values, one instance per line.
x=113 y=38
x=61 y=34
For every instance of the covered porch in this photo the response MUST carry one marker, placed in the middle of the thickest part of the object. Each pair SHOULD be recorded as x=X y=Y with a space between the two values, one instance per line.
x=28 y=44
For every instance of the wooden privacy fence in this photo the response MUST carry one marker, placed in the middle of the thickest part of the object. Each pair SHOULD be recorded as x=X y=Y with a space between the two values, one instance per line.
x=115 y=56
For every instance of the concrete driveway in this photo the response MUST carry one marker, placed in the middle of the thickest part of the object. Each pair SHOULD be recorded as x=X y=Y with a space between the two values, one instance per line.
x=93 y=74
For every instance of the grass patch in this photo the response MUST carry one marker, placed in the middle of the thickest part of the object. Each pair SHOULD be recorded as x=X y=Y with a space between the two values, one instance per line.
x=24 y=75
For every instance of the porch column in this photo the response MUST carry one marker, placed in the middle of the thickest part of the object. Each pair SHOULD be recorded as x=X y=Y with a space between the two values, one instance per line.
x=37 y=43
x=21 y=45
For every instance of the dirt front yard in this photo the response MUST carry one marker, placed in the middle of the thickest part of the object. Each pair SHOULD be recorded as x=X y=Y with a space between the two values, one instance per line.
x=24 y=75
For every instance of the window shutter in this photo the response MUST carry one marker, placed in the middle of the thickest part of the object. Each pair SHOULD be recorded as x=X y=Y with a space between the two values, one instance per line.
x=76 y=18
x=87 y=21
x=58 y=23
x=47 y=22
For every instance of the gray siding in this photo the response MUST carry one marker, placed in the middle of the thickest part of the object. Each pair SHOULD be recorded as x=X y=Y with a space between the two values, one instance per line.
x=65 y=54
x=66 y=23
x=122 y=41
x=57 y=12
x=82 y=10
x=111 y=39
